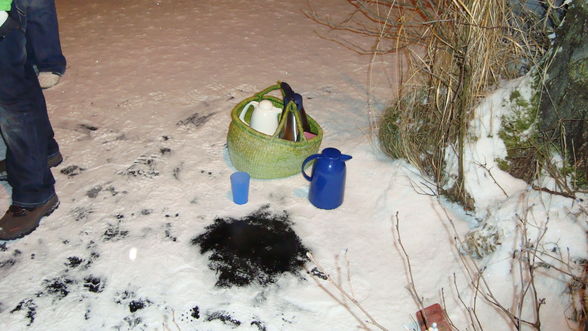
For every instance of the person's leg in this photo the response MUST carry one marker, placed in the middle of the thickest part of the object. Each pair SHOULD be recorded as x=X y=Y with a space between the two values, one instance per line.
x=54 y=156
x=42 y=34
x=26 y=131
x=24 y=125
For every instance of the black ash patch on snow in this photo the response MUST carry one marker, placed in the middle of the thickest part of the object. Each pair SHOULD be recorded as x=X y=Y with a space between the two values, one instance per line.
x=132 y=322
x=7 y=263
x=195 y=312
x=255 y=249
x=191 y=315
x=81 y=213
x=73 y=261
x=88 y=127
x=139 y=304
x=94 y=284
x=259 y=324
x=317 y=273
x=57 y=287
x=130 y=299
x=29 y=307
x=93 y=257
x=3 y=247
x=95 y=191
x=144 y=166
x=195 y=120
x=114 y=233
x=124 y=296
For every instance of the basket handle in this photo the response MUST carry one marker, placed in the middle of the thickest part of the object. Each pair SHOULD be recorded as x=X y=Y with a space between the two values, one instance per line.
x=244 y=111
x=290 y=107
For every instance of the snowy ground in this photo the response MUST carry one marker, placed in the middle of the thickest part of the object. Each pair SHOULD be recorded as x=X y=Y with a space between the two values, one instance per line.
x=142 y=115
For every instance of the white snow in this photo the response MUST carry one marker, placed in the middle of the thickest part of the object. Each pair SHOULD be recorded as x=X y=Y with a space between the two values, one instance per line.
x=148 y=90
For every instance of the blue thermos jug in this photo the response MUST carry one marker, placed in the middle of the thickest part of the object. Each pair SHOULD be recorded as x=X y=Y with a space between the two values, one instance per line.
x=327 y=182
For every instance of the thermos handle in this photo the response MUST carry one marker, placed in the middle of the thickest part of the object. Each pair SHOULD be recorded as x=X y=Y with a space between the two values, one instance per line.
x=308 y=159
x=244 y=111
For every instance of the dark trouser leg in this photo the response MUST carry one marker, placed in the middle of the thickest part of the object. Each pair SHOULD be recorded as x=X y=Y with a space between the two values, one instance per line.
x=24 y=124
x=42 y=34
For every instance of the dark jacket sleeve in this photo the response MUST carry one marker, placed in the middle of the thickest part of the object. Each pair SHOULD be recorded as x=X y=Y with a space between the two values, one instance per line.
x=9 y=25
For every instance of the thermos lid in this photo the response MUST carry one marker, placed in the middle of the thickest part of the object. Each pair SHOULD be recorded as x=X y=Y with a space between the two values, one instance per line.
x=334 y=154
x=331 y=152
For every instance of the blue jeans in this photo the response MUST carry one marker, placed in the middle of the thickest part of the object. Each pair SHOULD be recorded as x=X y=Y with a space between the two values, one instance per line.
x=42 y=32
x=24 y=122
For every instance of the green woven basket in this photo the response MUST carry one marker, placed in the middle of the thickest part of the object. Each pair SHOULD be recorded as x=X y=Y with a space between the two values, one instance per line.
x=265 y=156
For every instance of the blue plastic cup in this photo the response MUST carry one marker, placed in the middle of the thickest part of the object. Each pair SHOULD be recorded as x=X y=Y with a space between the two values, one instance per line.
x=240 y=187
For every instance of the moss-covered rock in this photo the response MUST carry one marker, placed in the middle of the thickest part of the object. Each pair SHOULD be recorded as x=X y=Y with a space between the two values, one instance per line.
x=519 y=132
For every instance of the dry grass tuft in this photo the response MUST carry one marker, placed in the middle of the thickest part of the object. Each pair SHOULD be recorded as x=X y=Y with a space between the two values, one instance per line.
x=468 y=47
x=455 y=52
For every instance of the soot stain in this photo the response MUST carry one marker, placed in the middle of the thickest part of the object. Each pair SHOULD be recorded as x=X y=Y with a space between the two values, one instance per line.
x=29 y=306
x=255 y=249
x=168 y=232
x=176 y=172
x=93 y=192
x=81 y=213
x=72 y=170
x=224 y=317
x=146 y=212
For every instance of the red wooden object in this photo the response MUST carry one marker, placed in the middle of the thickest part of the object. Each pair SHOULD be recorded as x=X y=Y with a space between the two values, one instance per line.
x=432 y=314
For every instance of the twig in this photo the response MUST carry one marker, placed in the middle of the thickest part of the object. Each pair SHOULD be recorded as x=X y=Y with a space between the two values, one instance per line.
x=406 y=259
x=344 y=304
x=347 y=295
x=544 y=189
x=492 y=176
